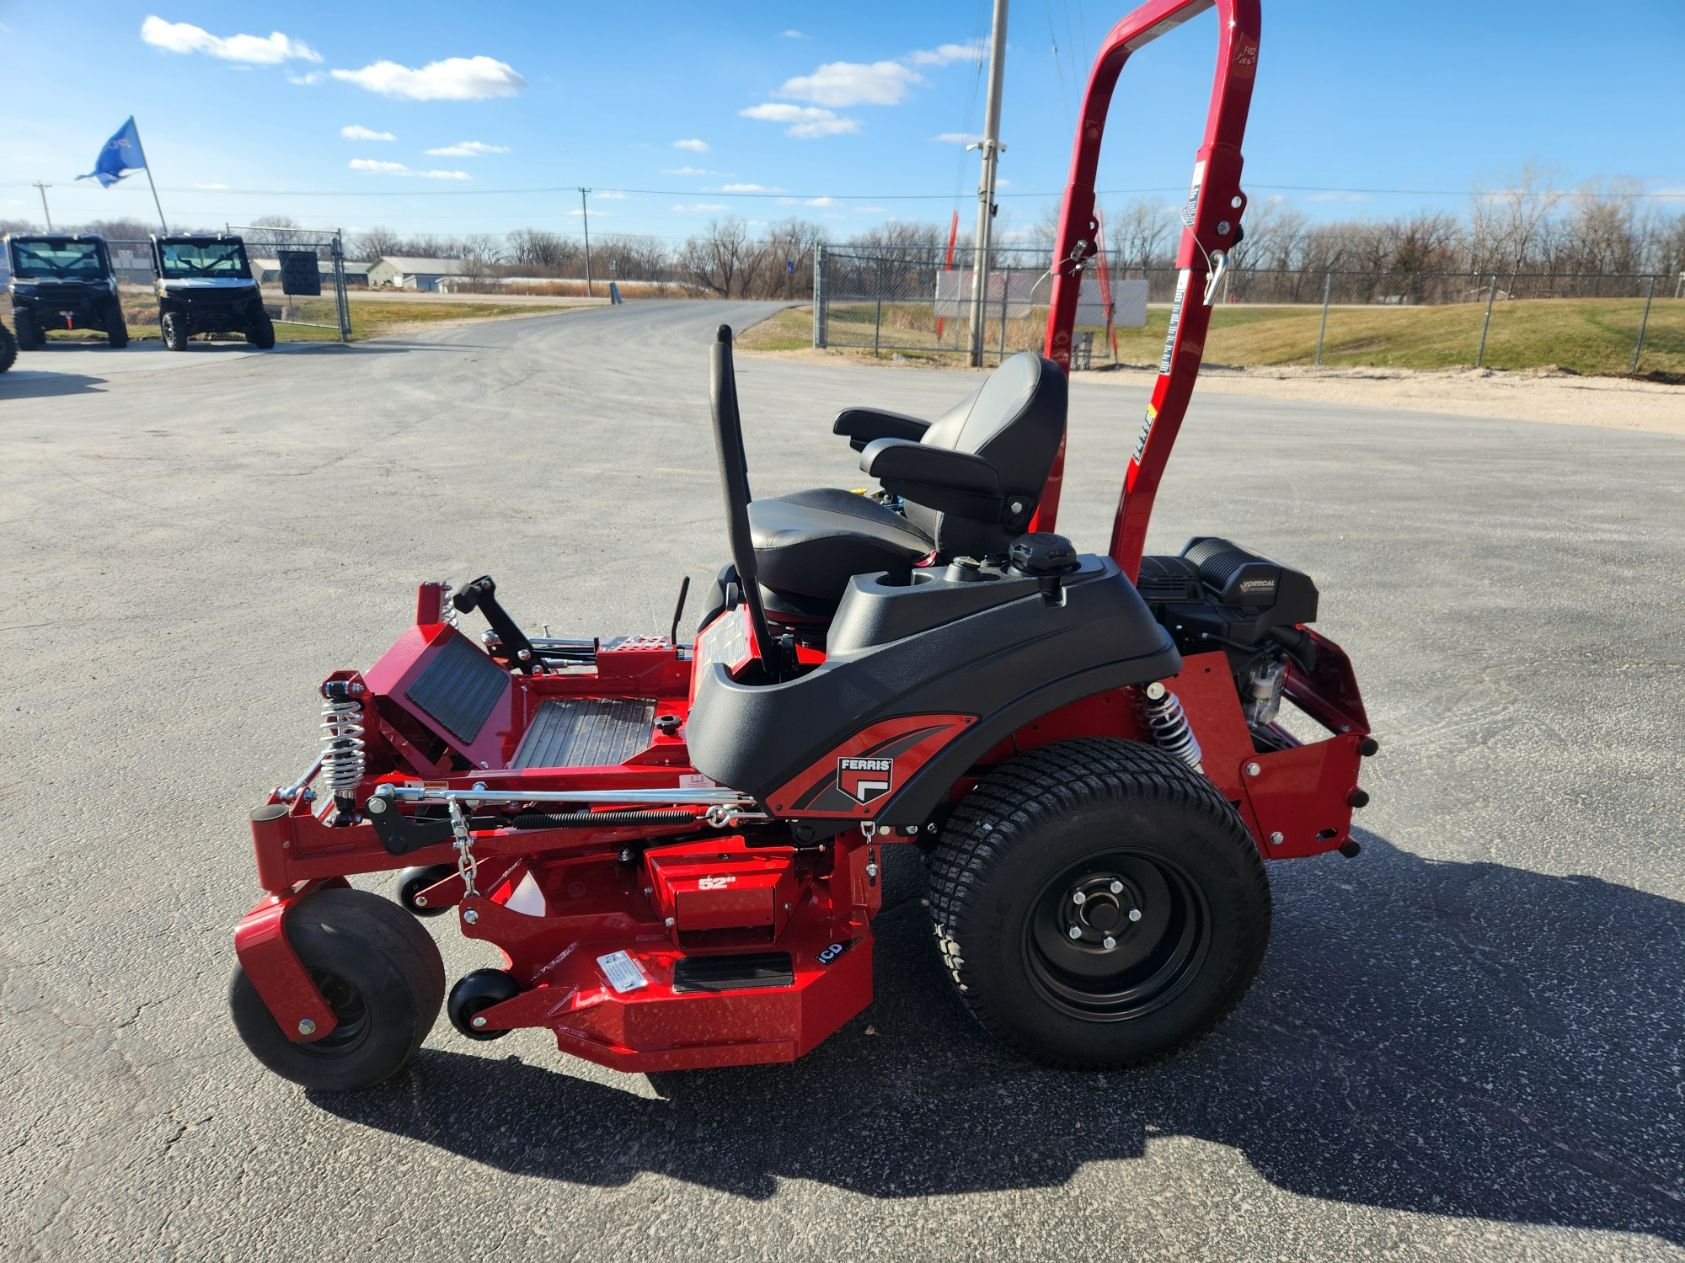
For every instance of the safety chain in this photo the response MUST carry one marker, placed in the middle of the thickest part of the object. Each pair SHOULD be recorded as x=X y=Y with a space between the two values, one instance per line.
x=467 y=867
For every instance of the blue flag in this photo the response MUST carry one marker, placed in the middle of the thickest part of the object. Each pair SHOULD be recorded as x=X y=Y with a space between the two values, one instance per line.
x=121 y=155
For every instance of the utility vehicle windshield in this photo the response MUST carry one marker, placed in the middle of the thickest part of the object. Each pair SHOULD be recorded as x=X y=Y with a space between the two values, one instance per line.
x=69 y=260
x=217 y=259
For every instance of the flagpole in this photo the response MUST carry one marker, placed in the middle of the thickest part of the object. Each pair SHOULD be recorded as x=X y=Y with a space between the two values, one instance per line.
x=151 y=183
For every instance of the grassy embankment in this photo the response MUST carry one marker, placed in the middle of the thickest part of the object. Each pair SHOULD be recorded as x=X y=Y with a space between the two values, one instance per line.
x=1592 y=335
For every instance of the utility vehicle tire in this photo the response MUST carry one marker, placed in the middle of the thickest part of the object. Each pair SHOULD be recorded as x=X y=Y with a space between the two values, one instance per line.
x=23 y=322
x=8 y=349
x=116 y=328
x=379 y=971
x=261 y=332
x=173 y=325
x=1127 y=827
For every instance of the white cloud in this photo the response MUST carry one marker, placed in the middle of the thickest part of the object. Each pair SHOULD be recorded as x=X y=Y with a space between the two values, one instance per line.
x=957 y=138
x=871 y=210
x=453 y=79
x=744 y=188
x=689 y=171
x=695 y=146
x=609 y=195
x=374 y=166
x=467 y=149
x=210 y=187
x=946 y=54
x=789 y=201
x=793 y=34
x=806 y=122
x=820 y=201
x=699 y=208
x=842 y=83
x=257 y=50
x=356 y=131
x=307 y=80
x=576 y=212
x=1335 y=196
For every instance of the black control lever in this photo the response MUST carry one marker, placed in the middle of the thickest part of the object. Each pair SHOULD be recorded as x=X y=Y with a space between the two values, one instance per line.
x=482 y=595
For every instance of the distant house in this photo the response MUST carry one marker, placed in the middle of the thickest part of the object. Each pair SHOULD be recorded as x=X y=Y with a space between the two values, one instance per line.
x=356 y=274
x=424 y=274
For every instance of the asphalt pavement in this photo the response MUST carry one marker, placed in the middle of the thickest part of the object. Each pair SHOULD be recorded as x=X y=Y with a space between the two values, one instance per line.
x=1464 y=1044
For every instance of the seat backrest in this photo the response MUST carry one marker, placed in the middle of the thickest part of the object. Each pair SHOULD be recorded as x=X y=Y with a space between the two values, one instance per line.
x=1015 y=421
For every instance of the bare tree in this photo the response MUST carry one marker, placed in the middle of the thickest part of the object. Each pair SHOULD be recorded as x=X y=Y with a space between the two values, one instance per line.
x=724 y=260
x=1143 y=235
x=375 y=243
x=1507 y=224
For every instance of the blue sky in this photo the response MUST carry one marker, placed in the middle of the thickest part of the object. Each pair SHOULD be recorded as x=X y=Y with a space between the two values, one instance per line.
x=808 y=102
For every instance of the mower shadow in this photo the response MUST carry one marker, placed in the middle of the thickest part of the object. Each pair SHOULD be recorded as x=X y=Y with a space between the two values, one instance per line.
x=1458 y=1039
x=33 y=383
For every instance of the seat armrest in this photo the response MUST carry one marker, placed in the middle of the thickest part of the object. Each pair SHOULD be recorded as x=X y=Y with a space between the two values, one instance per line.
x=862 y=425
x=939 y=478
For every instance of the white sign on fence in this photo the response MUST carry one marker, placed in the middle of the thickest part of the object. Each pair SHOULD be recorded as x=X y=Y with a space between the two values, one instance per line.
x=953 y=294
x=1129 y=303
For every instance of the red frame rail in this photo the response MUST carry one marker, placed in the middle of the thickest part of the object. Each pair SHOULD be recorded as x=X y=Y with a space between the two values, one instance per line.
x=1211 y=224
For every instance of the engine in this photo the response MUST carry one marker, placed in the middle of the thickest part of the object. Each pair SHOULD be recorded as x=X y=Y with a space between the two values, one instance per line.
x=1217 y=595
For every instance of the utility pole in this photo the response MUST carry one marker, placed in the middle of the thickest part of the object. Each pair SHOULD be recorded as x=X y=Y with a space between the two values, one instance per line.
x=44 y=210
x=585 y=213
x=991 y=147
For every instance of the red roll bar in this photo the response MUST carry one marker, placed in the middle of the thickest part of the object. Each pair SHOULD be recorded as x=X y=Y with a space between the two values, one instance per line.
x=1211 y=220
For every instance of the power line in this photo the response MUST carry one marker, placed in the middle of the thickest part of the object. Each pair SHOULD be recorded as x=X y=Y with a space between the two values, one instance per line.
x=795 y=198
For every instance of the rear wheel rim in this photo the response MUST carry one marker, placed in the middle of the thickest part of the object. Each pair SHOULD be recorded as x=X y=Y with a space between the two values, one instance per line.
x=1116 y=936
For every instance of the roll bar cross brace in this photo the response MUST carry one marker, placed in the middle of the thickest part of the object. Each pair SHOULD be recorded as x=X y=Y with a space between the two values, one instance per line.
x=1211 y=220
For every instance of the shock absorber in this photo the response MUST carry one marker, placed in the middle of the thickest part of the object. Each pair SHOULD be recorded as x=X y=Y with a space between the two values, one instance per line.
x=1169 y=725
x=343 y=756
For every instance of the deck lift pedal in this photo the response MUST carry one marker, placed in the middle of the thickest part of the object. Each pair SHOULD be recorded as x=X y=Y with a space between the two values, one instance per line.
x=672 y=852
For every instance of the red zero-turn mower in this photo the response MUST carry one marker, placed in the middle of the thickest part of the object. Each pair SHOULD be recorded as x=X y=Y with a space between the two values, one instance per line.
x=675 y=852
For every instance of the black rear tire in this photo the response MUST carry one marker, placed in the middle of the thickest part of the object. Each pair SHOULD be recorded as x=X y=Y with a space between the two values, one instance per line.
x=28 y=336
x=8 y=349
x=173 y=326
x=1168 y=932
x=261 y=332
x=116 y=328
x=380 y=972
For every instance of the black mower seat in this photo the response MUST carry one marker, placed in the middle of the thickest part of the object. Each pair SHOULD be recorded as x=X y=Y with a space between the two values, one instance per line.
x=969 y=482
x=811 y=543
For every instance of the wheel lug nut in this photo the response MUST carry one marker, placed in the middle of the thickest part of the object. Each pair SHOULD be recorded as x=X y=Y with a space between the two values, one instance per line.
x=1135 y=914
x=1079 y=898
x=1116 y=888
x=1108 y=942
x=1075 y=931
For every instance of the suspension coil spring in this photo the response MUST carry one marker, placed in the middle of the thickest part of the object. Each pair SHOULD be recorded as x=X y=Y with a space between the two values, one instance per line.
x=1169 y=725
x=343 y=755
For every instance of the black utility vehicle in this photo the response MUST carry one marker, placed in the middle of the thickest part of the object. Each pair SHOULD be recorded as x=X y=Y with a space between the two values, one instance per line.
x=205 y=285
x=62 y=282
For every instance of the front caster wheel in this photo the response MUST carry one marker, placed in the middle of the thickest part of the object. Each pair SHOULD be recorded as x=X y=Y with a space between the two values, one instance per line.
x=476 y=992
x=412 y=881
x=1099 y=904
x=380 y=973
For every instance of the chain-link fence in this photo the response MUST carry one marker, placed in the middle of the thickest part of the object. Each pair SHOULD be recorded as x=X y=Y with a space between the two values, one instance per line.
x=301 y=274
x=919 y=304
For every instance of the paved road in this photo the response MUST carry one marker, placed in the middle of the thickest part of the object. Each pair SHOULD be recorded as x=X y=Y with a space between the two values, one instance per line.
x=1465 y=1044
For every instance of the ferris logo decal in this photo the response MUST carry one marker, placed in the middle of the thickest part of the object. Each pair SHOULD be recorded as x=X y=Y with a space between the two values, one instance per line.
x=865 y=780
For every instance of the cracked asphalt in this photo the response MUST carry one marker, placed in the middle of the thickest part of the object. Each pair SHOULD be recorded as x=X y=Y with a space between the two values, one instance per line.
x=1464 y=1044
